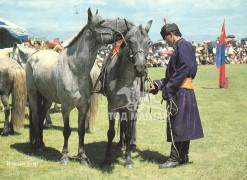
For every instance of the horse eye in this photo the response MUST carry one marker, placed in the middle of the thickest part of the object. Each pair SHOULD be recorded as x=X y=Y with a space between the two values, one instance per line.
x=130 y=43
x=101 y=22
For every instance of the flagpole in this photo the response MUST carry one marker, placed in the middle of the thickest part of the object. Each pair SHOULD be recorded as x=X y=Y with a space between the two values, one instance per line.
x=220 y=58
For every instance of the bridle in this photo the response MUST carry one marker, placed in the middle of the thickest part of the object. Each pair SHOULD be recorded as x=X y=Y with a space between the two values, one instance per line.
x=132 y=55
x=113 y=32
x=19 y=59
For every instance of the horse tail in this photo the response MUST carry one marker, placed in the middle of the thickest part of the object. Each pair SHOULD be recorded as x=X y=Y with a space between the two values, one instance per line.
x=93 y=106
x=92 y=112
x=19 y=98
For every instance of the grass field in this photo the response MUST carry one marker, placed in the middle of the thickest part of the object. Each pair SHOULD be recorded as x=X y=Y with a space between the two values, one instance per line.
x=221 y=154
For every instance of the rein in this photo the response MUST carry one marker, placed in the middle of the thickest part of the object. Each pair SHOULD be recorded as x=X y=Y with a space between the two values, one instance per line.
x=171 y=109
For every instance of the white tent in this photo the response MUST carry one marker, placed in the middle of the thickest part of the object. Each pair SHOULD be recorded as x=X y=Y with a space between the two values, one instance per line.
x=11 y=33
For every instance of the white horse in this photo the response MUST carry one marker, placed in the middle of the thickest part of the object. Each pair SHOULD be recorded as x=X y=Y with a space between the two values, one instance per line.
x=21 y=55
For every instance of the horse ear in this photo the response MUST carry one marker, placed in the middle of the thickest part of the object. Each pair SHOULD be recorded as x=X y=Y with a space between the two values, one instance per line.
x=15 y=45
x=97 y=11
x=89 y=15
x=147 y=28
x=127 y=24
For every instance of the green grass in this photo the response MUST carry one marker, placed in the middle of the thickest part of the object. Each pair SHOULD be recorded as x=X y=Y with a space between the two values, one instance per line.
x=221 y=154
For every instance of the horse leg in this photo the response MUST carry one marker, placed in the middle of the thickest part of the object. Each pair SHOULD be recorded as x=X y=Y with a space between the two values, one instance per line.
x=42 y=114
x=82 y=113
x=121 y=142
x=48 y=121
x=66 y=133
x=128 y=134
x=133 y=137
x=5 y=101
x=35 y=104
x=110 y=134
x=56 y=109
x=34 y=99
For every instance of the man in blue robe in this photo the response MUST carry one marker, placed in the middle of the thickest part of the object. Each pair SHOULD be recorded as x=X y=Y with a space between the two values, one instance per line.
x=183 y=122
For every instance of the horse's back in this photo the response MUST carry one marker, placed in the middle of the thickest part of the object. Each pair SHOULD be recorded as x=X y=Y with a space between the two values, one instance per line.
x=8 y=67
x=6 y=63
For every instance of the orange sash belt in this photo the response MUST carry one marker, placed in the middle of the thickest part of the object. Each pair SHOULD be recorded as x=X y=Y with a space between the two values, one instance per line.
x=187 y=84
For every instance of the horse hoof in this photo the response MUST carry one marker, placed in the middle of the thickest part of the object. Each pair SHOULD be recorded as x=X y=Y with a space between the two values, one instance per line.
x=40 y=149
x=106 y=163
x=11 y=132
x=133 y=147
x=64 y=160
x=129 y=165
x=84 y=161
x=4 y=133
x=88 y=131
x=47 y=126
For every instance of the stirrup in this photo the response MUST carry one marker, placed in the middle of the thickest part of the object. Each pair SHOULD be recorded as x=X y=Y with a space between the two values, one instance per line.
x=100 y=91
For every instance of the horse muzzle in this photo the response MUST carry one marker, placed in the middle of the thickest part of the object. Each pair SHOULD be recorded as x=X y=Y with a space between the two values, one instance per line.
x=140 y=70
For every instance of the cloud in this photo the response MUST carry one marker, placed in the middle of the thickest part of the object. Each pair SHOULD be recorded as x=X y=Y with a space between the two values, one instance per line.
x=196 y=18
x=98 y=2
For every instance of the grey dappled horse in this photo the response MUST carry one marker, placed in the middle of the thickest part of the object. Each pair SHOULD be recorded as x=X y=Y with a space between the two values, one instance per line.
x=21 y=55
x=123 y=86
x=12 y=81
x=67 y=80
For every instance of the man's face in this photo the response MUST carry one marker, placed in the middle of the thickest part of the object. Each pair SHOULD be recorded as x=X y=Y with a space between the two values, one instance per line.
x=27 y=44
x=36 y=46
x=168 y=38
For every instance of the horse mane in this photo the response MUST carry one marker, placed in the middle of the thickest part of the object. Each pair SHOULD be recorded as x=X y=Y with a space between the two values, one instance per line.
x=76 y=37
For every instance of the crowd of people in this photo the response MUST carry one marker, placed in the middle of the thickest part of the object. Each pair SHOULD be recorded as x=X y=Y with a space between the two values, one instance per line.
x=160 y=53
x=38 y=45
x=236 y=53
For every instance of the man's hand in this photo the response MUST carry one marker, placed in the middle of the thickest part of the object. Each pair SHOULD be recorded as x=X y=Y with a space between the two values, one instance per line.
x=153 y=88
x=165 y=95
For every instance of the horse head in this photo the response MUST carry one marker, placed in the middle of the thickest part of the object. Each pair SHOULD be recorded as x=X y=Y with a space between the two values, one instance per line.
x=106 y=31
x=137 y=47
x=21 y=54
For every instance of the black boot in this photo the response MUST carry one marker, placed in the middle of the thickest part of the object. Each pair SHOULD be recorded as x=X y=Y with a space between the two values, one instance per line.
x=174 y=159
x=184 y=157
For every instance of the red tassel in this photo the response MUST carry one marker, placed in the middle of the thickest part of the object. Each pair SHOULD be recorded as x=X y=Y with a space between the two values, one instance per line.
x=165 y=21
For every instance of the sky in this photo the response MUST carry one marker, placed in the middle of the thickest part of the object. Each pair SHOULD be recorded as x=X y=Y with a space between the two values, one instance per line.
x=198 y=20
